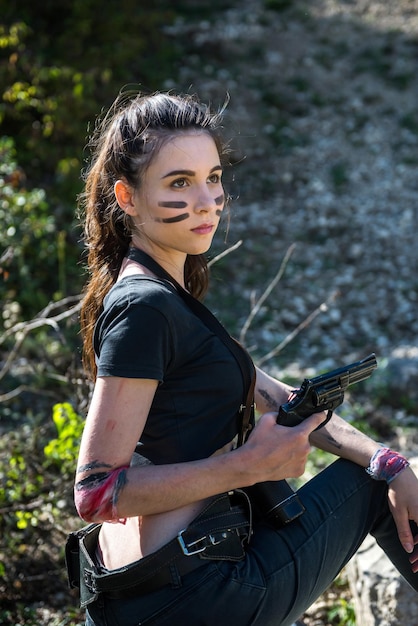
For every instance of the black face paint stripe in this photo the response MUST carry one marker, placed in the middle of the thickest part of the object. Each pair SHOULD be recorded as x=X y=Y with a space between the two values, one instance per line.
x=218 y=212
x=172 y=220
x=173 y=205
x=220 y=200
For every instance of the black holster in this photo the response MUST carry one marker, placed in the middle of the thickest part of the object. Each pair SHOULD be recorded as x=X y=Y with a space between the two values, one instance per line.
x=276 y=502
x=80 y=545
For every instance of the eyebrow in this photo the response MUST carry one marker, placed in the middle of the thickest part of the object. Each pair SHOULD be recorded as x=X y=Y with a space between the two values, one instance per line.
x=189 y=172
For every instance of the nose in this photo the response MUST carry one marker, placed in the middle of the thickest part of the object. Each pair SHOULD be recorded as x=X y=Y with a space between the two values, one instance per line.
x=205 y=201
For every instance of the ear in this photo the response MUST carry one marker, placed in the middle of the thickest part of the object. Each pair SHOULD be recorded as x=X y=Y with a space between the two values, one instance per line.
x=125 y=197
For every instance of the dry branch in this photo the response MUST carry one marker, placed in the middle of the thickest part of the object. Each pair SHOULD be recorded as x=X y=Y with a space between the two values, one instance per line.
x=22 y=329
x=257 y=306
x=304 y=324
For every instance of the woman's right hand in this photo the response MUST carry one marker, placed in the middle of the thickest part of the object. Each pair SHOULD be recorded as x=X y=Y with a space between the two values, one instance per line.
x=279 y=452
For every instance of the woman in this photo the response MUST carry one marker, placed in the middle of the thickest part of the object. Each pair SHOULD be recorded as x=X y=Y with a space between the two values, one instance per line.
x=158 y=467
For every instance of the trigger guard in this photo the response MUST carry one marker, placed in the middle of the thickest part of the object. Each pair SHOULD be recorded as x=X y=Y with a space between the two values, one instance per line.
x=326 y=420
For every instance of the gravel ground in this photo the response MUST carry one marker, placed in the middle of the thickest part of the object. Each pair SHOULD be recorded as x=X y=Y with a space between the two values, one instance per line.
x=323 y=106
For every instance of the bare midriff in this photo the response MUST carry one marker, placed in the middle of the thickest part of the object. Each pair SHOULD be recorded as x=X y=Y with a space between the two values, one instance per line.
x=121 y=544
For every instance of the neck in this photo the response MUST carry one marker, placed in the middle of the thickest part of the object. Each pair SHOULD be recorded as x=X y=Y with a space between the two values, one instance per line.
x=173 y=265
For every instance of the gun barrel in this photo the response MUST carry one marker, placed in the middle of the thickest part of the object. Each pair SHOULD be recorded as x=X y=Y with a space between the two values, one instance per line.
x=362 y=370
x=324 y=392
x=349 y=374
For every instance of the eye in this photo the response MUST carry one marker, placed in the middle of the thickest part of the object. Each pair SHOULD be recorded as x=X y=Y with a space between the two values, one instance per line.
x=215 y=178
x=179 y=183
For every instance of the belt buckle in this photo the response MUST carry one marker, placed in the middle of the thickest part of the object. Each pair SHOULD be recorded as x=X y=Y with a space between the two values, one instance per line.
x=208 y=540
x=187 y=548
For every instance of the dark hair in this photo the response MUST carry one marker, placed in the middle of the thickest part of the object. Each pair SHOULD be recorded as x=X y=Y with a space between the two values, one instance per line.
x=124 y=144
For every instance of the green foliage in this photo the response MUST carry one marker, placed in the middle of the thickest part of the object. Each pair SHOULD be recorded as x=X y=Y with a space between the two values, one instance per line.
x=55 y=85
x=31 y=248
x=20 y=480
x=58 y=69
x=36 y=478
x=63 y=450
x=342 y=613
x=26 y=485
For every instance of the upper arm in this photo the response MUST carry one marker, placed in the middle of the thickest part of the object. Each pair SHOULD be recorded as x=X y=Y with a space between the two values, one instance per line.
x=115 y=421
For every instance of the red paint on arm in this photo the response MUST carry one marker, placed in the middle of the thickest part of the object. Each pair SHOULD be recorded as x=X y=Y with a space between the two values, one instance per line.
x=96 y=497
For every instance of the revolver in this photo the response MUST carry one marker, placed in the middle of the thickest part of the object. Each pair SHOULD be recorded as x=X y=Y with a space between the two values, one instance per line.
x=275 y=500
x=324 y=392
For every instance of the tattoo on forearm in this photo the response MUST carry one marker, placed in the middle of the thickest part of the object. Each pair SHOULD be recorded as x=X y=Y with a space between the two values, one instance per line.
x=91 y=466
x=334 y=442
x=271 y=402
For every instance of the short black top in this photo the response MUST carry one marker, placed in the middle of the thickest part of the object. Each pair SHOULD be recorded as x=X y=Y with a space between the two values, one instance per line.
x=147 y=331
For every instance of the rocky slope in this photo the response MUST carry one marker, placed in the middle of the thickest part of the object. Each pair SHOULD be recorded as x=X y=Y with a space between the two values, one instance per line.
x=324 y=119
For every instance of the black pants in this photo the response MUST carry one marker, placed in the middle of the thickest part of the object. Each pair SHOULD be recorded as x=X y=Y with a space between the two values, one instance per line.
x=284 y=571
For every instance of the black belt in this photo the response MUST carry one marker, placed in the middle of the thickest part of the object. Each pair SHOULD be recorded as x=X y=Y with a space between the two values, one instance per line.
x=160 y=579
x=217 y=533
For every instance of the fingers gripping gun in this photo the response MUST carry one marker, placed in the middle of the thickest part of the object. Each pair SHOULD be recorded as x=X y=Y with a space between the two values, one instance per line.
x=276 y=500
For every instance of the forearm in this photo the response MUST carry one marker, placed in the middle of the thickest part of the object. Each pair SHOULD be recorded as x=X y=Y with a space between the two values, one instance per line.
x=270 y=393
x=342 y=439
x=157 y=488
x=151 y=489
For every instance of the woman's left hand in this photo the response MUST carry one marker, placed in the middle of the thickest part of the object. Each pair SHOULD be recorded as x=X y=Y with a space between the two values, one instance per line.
x=403 y=503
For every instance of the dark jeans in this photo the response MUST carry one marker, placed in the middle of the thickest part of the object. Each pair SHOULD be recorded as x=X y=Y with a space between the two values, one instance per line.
x=284 y=571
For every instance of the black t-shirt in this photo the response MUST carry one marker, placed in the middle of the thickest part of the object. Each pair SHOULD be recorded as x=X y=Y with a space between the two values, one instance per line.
x=147 y=331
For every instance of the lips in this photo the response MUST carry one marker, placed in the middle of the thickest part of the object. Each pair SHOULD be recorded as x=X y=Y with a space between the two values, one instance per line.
x=203 y=229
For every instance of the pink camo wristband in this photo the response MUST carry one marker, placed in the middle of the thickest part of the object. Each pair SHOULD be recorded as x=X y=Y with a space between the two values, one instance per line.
x=386 y=464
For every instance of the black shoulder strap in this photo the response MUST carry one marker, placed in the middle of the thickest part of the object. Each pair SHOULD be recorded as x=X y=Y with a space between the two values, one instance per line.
x=200 y=310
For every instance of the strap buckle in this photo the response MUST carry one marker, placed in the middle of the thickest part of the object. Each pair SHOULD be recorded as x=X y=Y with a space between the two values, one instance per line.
x=89 y=581
x=199 y=545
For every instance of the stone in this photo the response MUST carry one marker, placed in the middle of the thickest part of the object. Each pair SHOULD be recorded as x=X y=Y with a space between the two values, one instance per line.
x=381 y=597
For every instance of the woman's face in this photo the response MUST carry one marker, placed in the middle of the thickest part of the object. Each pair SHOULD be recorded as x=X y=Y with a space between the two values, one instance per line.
x=177 y=209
